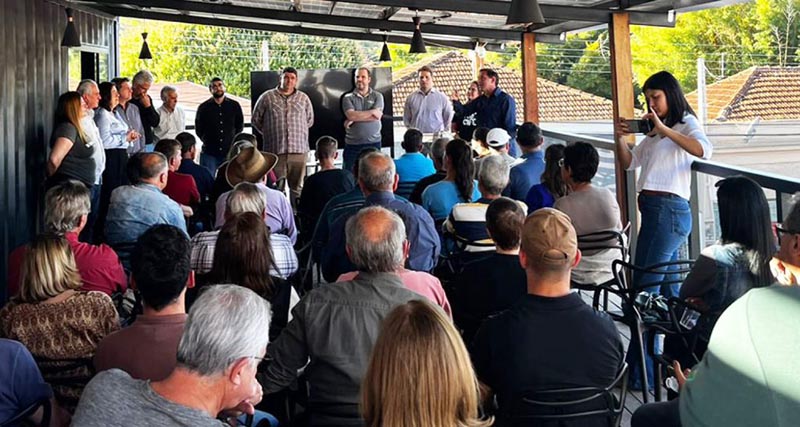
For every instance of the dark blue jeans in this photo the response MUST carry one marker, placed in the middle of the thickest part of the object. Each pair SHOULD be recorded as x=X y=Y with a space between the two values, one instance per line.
x=351 y=152
x=211 y=163
x=666 y=223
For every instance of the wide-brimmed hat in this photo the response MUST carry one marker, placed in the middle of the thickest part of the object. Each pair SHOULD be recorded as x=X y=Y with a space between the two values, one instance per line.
x=250 y=165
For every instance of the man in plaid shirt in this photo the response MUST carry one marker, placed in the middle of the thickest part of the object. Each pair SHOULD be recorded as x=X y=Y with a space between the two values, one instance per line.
x=283 y=116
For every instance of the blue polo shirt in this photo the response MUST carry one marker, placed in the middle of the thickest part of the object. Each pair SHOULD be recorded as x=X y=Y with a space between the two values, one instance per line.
x=411 y=167
x=496 y=111
x=525 y=175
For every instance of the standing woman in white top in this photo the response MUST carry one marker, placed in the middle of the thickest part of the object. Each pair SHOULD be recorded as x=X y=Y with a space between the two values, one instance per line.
x=665 y=157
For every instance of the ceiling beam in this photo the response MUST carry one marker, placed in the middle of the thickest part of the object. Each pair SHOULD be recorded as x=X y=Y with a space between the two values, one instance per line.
x=564 y=13
x=389 y=12
x=315 y=18
x=352 y=35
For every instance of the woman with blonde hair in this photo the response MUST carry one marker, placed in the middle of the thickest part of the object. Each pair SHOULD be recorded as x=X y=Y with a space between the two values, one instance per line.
x=70 y=151
x=420 y=374
x=58 y=323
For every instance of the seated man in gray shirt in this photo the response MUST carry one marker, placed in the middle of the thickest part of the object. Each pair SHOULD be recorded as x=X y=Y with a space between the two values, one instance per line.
x=336 y=325
x=222 y=344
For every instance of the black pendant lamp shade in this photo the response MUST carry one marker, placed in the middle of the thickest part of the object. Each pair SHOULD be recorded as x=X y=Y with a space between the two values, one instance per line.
x=71 y=38
x=524 y=12
x=145 y=53
x=417 y=44
x=385 y=55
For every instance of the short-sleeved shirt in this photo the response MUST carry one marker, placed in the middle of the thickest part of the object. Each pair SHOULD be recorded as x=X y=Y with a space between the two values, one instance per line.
x=525 y=175
x=439 y=198
x=113 y=398
x=79 y=162
x=411 y=167
x=21 y=384
x=363 y=132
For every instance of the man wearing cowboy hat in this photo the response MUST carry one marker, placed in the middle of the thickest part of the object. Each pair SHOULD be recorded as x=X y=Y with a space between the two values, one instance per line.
x=251 y=165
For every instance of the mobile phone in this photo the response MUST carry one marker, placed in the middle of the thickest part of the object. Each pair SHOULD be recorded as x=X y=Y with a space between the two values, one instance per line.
x=640 y=126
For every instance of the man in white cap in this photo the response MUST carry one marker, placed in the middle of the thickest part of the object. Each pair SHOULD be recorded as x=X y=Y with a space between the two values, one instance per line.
x=550 y=339
x=498 y=139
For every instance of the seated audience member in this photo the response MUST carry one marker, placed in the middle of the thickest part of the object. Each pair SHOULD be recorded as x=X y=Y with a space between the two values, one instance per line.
x=591 y=209
x=528 y=171
x=135 y=208
x=243 y=257
x=420 y=373
x=56 y=321
x=742 y=378
x=413 y=165
x=458 y=185
x=467 y=221
x=377 y=179
x=245 y=197
x=479 y=145
x=66 y=207
x=552 y=187
x=322 y=186
x=550 y=339
x=202 y=177
x=498 y=139
x=180 y=187
x=21 y=383
x=218 y=355
x=354 y=309
x=251 y=165
x=160 y=272
x=437 y=154
x=221 y=185
x=737 y=263
x=494 y=282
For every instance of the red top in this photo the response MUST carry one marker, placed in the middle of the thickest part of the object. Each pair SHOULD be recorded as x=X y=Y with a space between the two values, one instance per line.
x=98 y=265
x=182 y=189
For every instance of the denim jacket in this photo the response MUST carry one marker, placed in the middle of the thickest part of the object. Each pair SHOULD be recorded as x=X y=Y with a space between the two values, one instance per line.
x=135 y=208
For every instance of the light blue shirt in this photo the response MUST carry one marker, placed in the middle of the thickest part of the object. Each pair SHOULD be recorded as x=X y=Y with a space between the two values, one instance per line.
x=414 y=166
x=428 y=112
x=112 y=127
x=439 y=198
x=135 y=208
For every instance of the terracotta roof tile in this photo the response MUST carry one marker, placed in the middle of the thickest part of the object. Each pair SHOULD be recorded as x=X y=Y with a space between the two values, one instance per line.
x=453 y=71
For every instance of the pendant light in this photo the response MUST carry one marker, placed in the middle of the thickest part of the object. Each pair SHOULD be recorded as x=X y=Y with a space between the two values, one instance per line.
x=417 y=44
x=385 y=54
x=524 y=12
x=71 y=38
x=145 y=52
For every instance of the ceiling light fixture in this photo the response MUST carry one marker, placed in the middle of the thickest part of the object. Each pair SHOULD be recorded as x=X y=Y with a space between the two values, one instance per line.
x=525 y=12
x=71 y=38
x=385 y=54
x=417 y=44
x=145 y=52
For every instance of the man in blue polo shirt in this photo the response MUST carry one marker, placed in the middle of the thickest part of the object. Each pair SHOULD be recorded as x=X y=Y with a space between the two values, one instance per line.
x=413 y=165
x=495 y=108
x=528 y=173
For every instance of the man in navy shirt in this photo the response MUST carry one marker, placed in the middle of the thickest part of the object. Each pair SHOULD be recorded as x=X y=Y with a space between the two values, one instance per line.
x=495 y=108
x=202 y=177
x=528 y=173
x=21 y=384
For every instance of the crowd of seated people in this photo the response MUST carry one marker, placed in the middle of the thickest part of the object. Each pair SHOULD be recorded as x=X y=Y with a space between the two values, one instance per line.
x=221 y=326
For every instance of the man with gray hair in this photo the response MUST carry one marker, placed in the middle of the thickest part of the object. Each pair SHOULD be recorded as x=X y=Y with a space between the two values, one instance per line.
x=218 y=355
x=378 y=181
x=65 y=212
x=90 y=100
x=335 y=326
x=245 y=197
x=172 y=117
x=135 y=208
x=150 y=118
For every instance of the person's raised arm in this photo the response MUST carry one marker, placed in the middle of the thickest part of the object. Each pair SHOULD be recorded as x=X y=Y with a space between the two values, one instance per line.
x=624 y=155
x=690 y=144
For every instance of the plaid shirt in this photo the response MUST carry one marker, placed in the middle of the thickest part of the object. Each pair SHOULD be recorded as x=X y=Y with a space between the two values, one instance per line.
x=283 y=254
x=284 y=121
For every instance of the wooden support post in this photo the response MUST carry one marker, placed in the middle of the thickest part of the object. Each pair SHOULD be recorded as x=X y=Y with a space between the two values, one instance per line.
x=530 y=78
x=622 y=100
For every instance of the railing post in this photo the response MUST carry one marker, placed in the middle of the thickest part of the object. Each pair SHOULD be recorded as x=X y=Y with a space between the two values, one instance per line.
x=778 y=207
x=696 y=238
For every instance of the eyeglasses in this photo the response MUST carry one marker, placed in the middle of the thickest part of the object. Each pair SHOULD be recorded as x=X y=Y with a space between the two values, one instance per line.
x=779 y=231
x=561 y=163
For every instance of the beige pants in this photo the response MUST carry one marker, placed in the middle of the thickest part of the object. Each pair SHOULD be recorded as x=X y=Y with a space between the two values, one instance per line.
x=293 y=167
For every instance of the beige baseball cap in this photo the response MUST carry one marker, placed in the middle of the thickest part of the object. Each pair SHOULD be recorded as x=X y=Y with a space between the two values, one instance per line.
x=548 y=237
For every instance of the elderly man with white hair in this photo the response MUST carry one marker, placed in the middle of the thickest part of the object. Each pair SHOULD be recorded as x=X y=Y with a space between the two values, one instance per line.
x=218 y=355
x=173 y=118
x=90 y=100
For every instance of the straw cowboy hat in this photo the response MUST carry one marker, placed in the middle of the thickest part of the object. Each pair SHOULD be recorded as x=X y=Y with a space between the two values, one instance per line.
x=249 y=165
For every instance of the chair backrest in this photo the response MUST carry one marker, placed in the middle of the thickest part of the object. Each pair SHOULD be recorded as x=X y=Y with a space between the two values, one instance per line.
x=601 y=240
x=404 y=189
x=23 y=417
x=578 y=404
x=665 y=273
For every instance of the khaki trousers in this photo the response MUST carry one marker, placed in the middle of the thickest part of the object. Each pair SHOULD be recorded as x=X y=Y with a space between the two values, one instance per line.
x=293 y=167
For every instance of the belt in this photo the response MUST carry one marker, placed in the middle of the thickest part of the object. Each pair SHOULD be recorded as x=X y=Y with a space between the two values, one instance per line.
x=658 y=193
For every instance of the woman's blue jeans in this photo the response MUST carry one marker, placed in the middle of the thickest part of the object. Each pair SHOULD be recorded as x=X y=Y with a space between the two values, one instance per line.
x=666 y=223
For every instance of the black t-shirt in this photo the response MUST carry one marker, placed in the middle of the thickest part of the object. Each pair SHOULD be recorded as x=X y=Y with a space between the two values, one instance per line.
x=487 y=285
x=416 y=194
x=78 y=163
x=318 y=189
x=546 y=343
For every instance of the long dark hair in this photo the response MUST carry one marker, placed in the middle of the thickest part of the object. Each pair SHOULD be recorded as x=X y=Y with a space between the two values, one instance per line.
x=677 y=104
x=243 y=256
x=105 y=95
x=551 y=177
x=744 y=218
x=460 y=155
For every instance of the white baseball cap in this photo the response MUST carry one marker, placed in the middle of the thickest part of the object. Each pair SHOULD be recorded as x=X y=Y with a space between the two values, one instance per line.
x=497 y=138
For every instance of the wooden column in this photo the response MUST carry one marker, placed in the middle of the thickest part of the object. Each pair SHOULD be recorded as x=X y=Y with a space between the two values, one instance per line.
x=622 y=100
x=529 y=78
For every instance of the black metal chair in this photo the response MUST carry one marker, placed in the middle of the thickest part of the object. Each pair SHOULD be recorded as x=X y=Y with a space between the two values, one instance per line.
x=636 y=318
x=563 y=407
x=592 y=243
x=24 y=416
x=404 y=189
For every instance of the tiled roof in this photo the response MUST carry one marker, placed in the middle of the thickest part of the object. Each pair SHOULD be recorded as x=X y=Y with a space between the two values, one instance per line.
x=191 y=95
x=767 y=93
x=453 y=71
